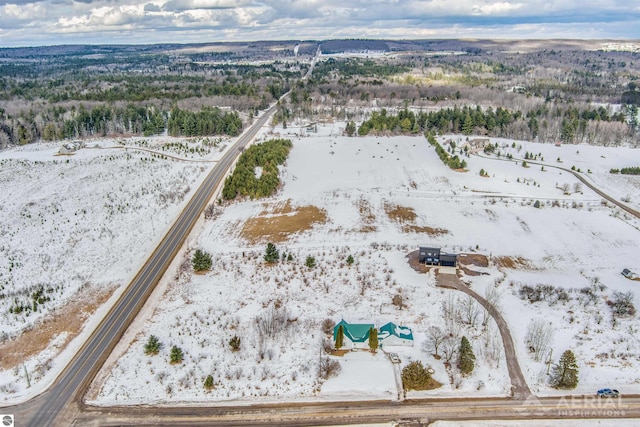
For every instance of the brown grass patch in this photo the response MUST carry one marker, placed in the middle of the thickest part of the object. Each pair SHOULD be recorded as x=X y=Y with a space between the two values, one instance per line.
x=367 y=216
x=407 y=217
x=400 y=213
x=339 y=352
x=283 y=221
x=474 y=259
x=69 y=318
x=511 y=262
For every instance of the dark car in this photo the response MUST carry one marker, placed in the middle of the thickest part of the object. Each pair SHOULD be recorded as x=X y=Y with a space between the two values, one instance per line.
x=607 y=392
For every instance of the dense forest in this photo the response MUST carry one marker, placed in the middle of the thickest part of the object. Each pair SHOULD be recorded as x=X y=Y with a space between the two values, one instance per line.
x=551 y=91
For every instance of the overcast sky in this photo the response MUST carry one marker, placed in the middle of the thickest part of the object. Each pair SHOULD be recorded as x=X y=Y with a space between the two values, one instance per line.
x=47 y=22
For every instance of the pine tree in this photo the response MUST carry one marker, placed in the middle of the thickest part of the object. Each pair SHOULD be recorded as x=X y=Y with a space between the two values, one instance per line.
x=271 y=254
x=350 y=260
x=201 y=261
x=153 y=345
x=310 y=262
x=466 y=358
x=467 y=126
x=235 y=343
x=340 y=337
x=373 y=339
x=416 y=377
x=565 y=374
x=208 y=383
x=176 y=355
x=351 y=128
x=537 y=204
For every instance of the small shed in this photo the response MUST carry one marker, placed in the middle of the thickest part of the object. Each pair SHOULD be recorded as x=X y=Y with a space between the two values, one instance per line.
x=392 y=334
x=628 y=273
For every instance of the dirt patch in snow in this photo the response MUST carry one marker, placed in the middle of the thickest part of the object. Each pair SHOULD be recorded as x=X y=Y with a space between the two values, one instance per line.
x=407 y=217
x=68 y=319
x=281 y=221
x=478 y=260
x=512 y=262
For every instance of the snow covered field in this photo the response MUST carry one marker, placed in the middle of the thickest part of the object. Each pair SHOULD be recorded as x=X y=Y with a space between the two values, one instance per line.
x=74 y=229
x=379 y=198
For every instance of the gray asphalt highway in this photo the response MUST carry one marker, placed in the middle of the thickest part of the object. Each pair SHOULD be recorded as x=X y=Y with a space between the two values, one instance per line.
x=46 y=409
x=408 y=412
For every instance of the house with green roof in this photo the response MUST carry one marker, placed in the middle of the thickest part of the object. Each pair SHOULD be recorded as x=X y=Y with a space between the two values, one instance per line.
x=356 y=335
x=392 y=334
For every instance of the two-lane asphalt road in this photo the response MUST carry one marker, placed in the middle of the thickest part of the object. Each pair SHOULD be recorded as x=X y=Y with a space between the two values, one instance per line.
x=73 y=381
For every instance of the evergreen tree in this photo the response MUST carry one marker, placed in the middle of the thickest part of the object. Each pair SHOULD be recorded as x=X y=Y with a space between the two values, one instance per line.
x=373 y=339
x=271 y=254
x=466 y=358
x=351 y=128
x=416 y=377
x=467 y=126
x=201 y=261
x=153 y=345
x=208 y=382
x=310 y=262
x=340 y=337
x=350 y=260
x=176 y=355
x=537 y=204
x=565 y=374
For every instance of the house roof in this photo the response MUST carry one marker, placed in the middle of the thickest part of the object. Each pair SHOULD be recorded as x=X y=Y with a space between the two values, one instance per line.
x=392 y=329
x=356 y=332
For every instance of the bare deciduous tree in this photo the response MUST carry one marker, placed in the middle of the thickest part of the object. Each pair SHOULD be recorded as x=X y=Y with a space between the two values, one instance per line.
x=469 y=311
x=539 y=337
x=450 y=347
x=435 y=337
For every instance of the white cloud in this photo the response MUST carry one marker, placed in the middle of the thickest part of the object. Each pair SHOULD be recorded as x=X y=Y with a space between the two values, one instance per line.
x=99 y=21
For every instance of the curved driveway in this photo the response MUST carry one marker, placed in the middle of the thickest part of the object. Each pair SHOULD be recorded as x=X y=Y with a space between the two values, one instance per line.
x=578 y=175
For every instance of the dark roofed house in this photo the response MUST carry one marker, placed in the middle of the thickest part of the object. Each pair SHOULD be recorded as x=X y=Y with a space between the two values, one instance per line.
x=435 y=256
x=429 y=255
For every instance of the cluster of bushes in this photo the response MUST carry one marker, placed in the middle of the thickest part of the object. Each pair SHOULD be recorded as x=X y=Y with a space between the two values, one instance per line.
x=453 y=162
x=267 y=155
x=542 y=292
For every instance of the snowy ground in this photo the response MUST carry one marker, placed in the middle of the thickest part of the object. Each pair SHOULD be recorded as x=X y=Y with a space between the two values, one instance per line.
x=568 y=242
x=86 y=221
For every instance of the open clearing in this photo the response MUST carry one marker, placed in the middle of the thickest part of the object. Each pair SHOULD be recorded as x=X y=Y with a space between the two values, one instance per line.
x=367 y=190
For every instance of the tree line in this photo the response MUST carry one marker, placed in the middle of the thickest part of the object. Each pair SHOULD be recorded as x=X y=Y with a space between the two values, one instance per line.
x=576 y=123
x=104 y=120
x=260 y=159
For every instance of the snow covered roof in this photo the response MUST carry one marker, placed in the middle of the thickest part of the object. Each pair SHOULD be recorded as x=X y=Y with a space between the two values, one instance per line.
x=392 y=329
